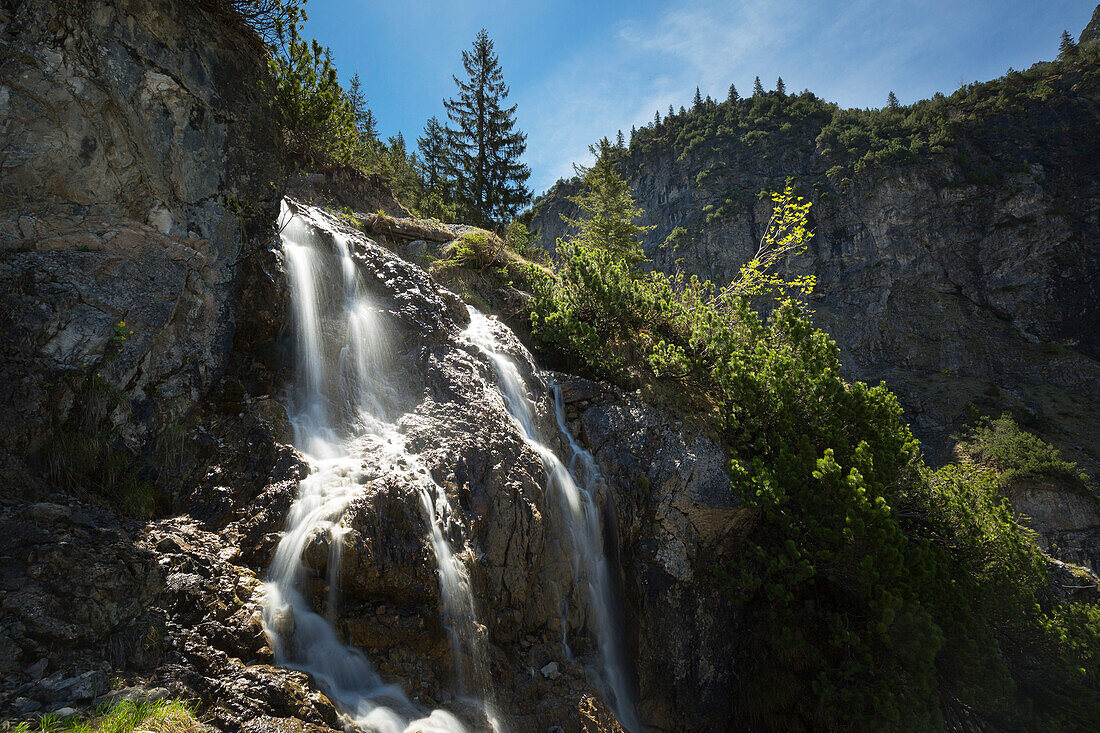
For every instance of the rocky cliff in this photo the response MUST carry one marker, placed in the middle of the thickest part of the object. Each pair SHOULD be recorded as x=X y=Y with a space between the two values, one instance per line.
x=132 y=149
x=964 y=274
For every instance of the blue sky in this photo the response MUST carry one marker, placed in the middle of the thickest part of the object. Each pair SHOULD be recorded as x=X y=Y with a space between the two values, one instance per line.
x=581 y=69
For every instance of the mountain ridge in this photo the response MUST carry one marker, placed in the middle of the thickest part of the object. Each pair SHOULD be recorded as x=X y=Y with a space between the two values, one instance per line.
x=956 y=249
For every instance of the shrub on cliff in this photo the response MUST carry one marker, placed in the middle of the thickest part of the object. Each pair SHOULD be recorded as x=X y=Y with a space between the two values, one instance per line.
x=1002 y=445
x=316 y=116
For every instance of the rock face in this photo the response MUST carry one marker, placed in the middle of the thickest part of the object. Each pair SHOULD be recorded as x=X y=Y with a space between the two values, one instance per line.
x=953 y=289
x=1067 y=519
x=130 y=168
x=677 y=521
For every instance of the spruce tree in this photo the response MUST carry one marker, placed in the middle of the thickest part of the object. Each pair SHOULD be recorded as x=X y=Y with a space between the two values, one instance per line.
x=607 y=210
x=365 y=124
x=620 y=141
x=757 y=88
x=403 y=170
x=656 y=118
x=434 y=155
x=671 y=112
x=892 y=101
x=682 y=110
x=780 y=87
x=1067 y=48
x=485 y=146
x=697 y=103
x=733 y=95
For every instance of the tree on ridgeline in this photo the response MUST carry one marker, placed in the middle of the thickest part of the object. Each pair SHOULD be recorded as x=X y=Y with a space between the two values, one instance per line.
x=757 y=88
x=607 y=210
x=485 y=153
x=733 y=95
x=697 y=103
x=780 y=87
x=620 y=141
x=657 y=119
x=403 y=170
x=892 y=101
x=1067 y=48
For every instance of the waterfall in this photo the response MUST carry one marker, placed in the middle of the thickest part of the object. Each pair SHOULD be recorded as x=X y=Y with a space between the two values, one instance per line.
x=574 y=486
x=345 y=413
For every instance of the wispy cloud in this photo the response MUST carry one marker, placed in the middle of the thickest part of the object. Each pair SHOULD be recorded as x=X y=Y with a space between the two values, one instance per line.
x=849 y=52
x=644 y=66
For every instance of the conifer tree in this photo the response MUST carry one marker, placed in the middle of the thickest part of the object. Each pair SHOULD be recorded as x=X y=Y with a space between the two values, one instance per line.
x=780 y=87
x=682 y=110
x=620 y=142
x=892 y=101
x=307 y=102
x=485 y=146
x=671 y=112
x=733 y=95
x=1067 y=48
x=697 y=103
x=403 y=170
x=657 y=118
x=365 y=124
x=757 y=88
x=633 y=133
x=607 y=210
x=434 y=151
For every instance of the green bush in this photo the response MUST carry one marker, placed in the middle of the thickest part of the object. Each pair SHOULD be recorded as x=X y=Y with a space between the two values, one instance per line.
x=1017 y=455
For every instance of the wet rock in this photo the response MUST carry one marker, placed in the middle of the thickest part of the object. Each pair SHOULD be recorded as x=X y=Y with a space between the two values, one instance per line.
x=48 y=513
x=550 y=671
x=676 y=516
x=81 y=688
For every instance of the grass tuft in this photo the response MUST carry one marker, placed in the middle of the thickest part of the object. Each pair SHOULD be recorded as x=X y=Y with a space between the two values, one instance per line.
x=124 y=716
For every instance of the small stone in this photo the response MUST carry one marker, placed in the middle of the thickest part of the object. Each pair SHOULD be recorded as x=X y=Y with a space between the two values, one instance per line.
x=550 y=671
x=36 y=670
x=46 y=512
x=65 y=712
x=25 y=705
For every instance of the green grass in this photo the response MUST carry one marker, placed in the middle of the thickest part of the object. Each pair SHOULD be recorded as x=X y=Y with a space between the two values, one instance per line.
x=125 y=716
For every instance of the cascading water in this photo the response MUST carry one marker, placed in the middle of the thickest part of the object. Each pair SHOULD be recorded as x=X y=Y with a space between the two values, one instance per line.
x=583 y=519
x=344 y=412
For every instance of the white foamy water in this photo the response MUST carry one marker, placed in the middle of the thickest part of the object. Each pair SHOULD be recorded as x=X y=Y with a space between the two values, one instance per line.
x=345 y=414
x=575 y=488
